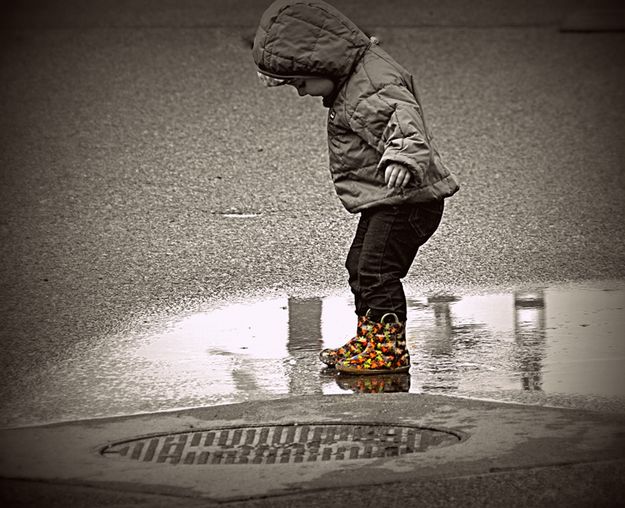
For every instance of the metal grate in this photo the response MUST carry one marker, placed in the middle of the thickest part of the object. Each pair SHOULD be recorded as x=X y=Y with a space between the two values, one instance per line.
x=282 y=444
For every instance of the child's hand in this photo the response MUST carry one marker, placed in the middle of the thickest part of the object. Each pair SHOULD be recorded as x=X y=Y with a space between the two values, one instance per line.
x=396 y=175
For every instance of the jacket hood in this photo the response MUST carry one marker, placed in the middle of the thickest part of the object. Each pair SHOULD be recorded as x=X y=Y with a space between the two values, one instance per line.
x=307 y=38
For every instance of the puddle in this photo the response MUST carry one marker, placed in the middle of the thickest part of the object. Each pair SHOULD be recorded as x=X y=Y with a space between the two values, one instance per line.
x=559 y=340
x=549 y=340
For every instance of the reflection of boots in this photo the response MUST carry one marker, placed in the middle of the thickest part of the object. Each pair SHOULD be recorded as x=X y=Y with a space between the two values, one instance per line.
x=353 y=347
x=389 y=383
x=385 y=351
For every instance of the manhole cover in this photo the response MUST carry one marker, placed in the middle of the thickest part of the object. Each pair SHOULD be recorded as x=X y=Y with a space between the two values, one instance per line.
x=282 y=444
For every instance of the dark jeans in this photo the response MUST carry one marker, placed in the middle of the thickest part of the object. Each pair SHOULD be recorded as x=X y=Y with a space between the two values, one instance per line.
x=384 y=247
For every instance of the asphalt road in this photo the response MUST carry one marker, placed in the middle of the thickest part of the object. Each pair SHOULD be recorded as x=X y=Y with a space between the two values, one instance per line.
x=132 y=136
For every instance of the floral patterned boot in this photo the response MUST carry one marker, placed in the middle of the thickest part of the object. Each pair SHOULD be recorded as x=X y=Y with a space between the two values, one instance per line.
x=352 y=347
x=385 y=352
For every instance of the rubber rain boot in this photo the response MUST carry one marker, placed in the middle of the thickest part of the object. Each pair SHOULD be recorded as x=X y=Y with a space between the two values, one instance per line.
x=385 y=351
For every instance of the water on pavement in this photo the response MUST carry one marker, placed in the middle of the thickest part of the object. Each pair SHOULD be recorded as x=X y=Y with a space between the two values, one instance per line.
x=560 y=341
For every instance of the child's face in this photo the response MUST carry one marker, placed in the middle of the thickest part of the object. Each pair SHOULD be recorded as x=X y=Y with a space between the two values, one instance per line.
x=317 y=87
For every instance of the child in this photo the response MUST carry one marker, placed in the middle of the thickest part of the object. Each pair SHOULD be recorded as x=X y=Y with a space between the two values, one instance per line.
x=383 y=163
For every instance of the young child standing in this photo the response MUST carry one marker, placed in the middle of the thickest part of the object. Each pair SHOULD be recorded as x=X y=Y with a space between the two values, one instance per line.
x=382 y=159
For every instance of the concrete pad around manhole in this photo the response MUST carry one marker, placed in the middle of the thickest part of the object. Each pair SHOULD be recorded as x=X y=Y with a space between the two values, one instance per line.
x=333 y=442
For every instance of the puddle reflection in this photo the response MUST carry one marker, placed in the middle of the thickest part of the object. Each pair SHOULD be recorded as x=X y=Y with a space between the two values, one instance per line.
x=560 y=341
x=550 y=340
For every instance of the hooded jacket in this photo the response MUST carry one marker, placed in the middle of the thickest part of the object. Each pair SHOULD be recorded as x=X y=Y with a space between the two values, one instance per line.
x=374 y=118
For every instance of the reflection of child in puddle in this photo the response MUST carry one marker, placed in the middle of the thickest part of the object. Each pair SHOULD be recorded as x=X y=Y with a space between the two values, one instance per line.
x=382 y=159
x=385 y=383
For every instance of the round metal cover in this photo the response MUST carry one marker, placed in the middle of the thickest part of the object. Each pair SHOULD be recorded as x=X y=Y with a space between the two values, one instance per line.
x=282 y=444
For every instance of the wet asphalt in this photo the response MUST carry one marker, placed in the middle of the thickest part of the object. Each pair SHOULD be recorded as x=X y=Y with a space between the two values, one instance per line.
x=127 y=140
x=144 y=173
x=556 y=346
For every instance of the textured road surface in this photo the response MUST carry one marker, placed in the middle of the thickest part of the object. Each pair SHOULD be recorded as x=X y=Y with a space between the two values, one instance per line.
x=132 y=137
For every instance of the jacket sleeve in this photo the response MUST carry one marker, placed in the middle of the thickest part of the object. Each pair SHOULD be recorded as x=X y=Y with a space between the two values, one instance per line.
x=390 y=121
